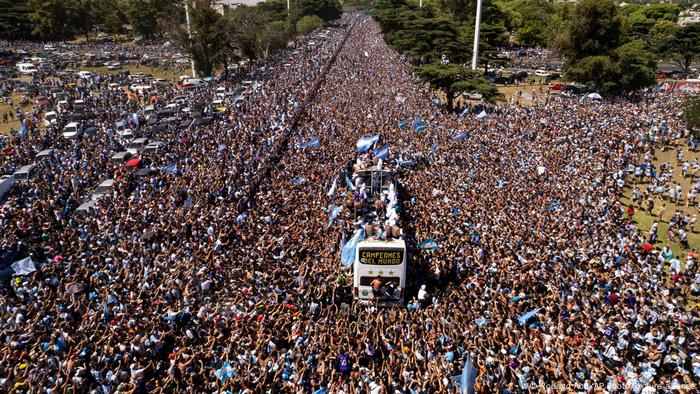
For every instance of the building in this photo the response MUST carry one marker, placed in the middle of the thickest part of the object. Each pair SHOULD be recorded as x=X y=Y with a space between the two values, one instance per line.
x=689 y=17
x=223 y=6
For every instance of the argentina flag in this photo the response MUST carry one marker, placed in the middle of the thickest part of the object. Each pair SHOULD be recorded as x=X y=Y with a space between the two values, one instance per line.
x=313 y=142
x=418 y=124
x=382 y=153
x=347 y=256
x=365 y=143
x=429 y=244
x=461 y=136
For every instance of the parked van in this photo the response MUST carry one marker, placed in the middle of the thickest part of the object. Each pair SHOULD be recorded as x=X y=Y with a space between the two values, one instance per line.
x=26 y=68
x=44 y=153
x=85 y=207
x=122 y=157
x=50 y=118
x=137 y=145
x=24 y=172
x=6 y=183
x=148 y=111
x=153 y=146
x=104 y=188
x=71 y=130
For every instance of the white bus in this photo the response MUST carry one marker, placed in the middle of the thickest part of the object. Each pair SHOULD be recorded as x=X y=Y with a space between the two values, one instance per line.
x=385 y=263
x=379 y=267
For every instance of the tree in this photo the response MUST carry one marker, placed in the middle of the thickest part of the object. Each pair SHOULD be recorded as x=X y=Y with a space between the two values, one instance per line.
x=206 y=47
x=595 y=71
x=493 y=32
x=594 y=29
x=326 y=9
x=14 y=20
x=309 y=23
x=597 y=55
x=52 y=19
x=636 y=66
x=452 y=79
x=631 y=66
x=150 y=18
x=680 y=44
x=639 y=20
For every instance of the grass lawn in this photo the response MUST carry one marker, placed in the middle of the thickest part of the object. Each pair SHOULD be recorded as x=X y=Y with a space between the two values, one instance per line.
x=4 y=108
x=644 y=219
x=170 y=74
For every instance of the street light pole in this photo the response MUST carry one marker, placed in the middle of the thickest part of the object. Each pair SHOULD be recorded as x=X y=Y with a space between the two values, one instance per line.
x=189 y=34
x=475 y=57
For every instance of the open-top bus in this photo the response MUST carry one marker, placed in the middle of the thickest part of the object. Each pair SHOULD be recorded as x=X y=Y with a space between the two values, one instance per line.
x=379 y=267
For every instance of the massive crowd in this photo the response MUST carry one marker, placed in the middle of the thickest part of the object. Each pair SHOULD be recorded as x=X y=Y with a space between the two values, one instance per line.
x=220 y=273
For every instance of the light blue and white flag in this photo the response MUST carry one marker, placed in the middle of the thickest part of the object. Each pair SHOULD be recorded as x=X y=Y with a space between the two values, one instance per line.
x=313 y=142
x=347 y=256
x=468 y=378
x=322 y=390
x=522 y=320
x=348 y=182
x=23 y=130
x=171 y=168
x=434 y=148
x=331 y=191
x=402 y=162
x=298 y=180
x=365 y=143
x=382 y=153
x=481 y=321
x=135 y=118
x=466 y=111
x=333 y=211
x=225 y=373
x=461 y=136
x=481 y=115
x=429 y=244
x=23 y=267
x=404 y=123
x=418 y=124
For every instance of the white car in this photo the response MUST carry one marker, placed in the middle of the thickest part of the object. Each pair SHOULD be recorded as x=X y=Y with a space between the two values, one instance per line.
x=50 y=118
x=71 y=130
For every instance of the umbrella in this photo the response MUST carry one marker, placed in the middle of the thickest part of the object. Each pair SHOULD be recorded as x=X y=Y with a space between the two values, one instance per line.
x=133 y=163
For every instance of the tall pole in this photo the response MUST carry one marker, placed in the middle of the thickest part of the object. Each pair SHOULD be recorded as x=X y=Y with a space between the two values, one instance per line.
x=189 y=34
x=288 y=6
x=475 y=57
x=421 y=3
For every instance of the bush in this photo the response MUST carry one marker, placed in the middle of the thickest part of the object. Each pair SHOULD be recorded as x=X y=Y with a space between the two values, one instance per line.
x=308 y=24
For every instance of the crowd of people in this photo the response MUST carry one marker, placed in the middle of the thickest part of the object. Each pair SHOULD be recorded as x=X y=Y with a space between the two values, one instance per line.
x=221 y=273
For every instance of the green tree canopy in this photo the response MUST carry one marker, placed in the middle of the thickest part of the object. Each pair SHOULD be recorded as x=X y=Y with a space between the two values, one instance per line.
x=680 y=44
x=594 y=29
x=453 y=79
x=309 y=23
x=14 y=20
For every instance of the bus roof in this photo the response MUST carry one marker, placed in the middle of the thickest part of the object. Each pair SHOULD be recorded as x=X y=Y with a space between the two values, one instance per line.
x=379 y=244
